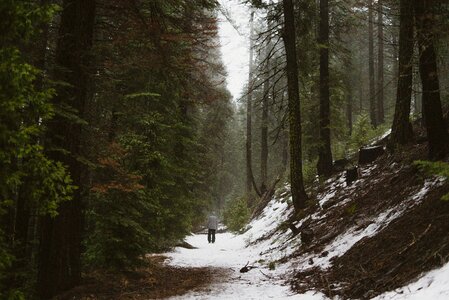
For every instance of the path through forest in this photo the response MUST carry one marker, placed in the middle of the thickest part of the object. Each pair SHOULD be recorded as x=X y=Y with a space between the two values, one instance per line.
x=228 y=255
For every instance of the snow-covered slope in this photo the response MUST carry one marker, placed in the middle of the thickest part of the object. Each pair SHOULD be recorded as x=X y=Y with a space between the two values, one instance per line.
x=344 y=218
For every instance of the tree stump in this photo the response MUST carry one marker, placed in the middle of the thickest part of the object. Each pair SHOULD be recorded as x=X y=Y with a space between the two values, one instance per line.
x=370 y=154
x=352 y=175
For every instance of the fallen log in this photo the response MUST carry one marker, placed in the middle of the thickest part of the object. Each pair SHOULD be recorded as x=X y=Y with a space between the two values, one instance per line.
x=186 y=245
x=266 y=197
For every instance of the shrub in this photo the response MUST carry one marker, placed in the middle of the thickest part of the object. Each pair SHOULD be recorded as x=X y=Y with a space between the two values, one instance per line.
x=236 y=214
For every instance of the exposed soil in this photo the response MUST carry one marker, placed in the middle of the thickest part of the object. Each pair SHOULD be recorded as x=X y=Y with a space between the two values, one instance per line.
x=156 y=280
x=415 y=242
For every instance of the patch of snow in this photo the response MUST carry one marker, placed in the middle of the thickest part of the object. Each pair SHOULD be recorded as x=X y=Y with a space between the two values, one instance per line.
x=433 y=285
x=386 y=133
x=342 y=243
x=327 y=197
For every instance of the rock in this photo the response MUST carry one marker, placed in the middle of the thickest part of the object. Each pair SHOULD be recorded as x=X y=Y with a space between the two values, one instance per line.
x=370 y=154
x=324 y=254
x=333 y=202
x=362 y=223
x=352 y=175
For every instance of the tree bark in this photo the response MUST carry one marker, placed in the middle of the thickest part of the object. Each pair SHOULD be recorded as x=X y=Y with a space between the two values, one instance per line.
x=401 y=131
x=372 y=92
x=264 y=129
x=249 y=106
x=436 y=129
x=264 y=142
x=299 y=195
x=324 y=166
x=380 y=65
x=59 y=266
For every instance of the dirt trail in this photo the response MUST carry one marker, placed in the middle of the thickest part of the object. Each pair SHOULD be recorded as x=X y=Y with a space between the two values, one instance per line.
x=210 y=271
x=155 y=280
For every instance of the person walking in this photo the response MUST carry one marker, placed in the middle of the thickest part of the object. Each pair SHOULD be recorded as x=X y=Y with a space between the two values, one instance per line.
x=212 y=225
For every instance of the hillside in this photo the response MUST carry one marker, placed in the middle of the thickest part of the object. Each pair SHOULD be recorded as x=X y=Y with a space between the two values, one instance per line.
x=375 y=235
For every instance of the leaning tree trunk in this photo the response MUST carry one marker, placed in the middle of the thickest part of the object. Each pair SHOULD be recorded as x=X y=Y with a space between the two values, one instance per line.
x=299 y=195
x=264 y=129
x=401 y=131
x=59 y=266
x=324 y=166
x=380 y=64
x=372 y=92
x=428 y=69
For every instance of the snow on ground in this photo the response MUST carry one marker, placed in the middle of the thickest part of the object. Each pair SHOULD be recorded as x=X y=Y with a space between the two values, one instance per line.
x=231 y=252
x=342 y=243
x=433 y=285
x=263 y=244
x=377 y=139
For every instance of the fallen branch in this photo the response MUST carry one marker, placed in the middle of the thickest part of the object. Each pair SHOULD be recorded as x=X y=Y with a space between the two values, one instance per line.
x=268 y=276
x=415 y=240
x=247 y=268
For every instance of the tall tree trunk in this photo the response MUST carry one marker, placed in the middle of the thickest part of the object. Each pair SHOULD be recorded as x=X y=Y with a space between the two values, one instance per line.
x=428 y=69
x=349 y=98
x=380 y=64
x=401 y=131
x=249 y=113
x=372 y=91
x=299 y=195
x=395 y=51
x=59 y=266
x=324 y=166
x=264 y=129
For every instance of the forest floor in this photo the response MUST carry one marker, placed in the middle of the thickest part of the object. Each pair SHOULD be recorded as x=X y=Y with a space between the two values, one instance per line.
x=230 y=253
x=383 y=236
x=209 y=271
x=154 y=280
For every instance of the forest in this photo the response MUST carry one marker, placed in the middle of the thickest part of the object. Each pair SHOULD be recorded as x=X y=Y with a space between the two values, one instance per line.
x=119 y=135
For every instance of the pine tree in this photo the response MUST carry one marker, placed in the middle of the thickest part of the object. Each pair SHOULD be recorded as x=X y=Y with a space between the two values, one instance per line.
x=299 y=195
x=401 y=131
x=325 y=153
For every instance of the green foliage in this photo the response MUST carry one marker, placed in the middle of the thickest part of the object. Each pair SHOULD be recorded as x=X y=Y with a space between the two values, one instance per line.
x=24 y=167
x=309 y=171
x=351 y=210
x=236 y=214
x=158 y=165
x=363 y=132
x=272 y=266
x=432 y=168
x=439 y=168
x=117 y=238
